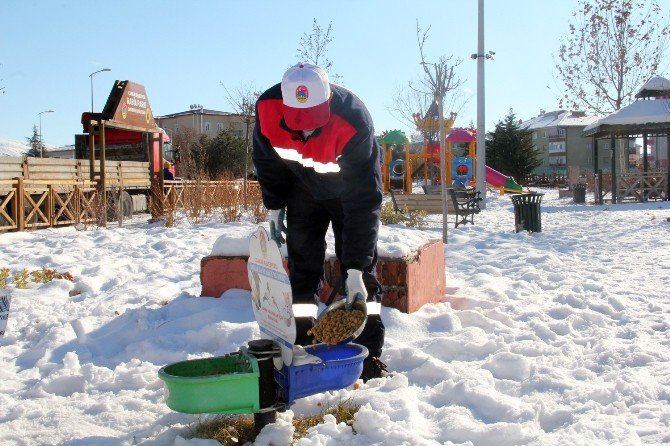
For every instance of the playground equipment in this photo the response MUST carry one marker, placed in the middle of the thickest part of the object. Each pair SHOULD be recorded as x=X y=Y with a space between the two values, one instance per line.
x=502 y=182
x=270 y=373
x=460 y=162
x=393 y=171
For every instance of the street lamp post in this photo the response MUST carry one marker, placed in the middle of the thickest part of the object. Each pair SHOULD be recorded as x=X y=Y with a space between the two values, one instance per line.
x=41 y=142
x=480 y=57
x=91 y=76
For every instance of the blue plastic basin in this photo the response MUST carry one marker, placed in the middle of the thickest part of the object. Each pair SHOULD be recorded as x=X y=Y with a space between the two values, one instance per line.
x=341 y=366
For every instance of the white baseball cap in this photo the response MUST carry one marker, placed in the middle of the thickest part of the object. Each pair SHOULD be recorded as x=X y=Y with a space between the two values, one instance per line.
x=306 y=94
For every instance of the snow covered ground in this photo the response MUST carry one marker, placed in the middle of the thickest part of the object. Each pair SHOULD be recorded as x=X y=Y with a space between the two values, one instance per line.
x=553 y=338
x=12 y=147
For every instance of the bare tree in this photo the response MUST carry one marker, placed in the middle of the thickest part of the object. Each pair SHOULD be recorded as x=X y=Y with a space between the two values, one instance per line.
x=243 y=100
x=189 y=152
x=416 y=104
x=612 y=48
x=313 y=48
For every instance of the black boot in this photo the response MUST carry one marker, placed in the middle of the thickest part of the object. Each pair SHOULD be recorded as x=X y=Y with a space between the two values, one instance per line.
x=374 y=368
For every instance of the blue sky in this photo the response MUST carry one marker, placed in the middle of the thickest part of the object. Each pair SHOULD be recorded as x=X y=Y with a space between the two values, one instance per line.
x=181 y=51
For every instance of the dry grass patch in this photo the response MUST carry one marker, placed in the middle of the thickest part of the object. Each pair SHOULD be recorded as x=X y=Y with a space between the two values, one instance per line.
x=413 y=219
x=235 y=430
x=22 y=278
x=229 y=430
x=255 y=202
x=343 y=412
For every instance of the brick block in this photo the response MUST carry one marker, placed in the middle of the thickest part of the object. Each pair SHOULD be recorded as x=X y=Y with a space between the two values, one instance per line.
x=408 y=283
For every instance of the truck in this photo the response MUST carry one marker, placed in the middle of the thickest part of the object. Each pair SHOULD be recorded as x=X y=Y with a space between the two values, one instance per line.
x=126 y=131
x=117 y=166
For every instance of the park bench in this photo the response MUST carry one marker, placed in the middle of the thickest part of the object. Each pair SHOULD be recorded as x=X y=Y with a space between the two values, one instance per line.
x=465 y=204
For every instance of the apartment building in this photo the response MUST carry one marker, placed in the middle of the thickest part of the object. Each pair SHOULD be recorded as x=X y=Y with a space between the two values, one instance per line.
x=204 y=121
x=558 y=136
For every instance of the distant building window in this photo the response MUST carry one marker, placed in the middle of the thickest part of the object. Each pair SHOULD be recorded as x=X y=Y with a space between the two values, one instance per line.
x=219 y=126
x=556 y=147
x=207 y=126
x=534 y=135
x=589 y=147
x=545 y=133
x=557 y=161
x=561 y=133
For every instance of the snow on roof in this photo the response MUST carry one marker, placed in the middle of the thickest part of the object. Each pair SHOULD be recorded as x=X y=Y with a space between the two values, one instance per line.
x=638 y=113
x=60 y=148
x=575 y=119
x=197 y=111
x=559 y=118
x=654 y=86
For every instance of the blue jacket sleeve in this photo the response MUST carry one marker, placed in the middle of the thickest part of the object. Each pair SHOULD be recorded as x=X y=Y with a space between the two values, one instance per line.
x=360 y=165
x=273 y=175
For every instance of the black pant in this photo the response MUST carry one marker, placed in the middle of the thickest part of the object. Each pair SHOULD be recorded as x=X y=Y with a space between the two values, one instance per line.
x=307 y=222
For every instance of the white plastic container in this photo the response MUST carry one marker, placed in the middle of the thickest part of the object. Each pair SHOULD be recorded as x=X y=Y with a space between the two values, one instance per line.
x=5 y=299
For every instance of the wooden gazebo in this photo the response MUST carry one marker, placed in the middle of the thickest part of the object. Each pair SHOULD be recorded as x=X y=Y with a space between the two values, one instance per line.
x=648 y=116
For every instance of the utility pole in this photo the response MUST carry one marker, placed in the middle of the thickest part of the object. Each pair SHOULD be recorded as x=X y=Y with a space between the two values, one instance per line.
x=41 y=141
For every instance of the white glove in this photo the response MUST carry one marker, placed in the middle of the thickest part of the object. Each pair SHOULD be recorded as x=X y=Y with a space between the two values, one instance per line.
x=277 y=226
x=355 y=287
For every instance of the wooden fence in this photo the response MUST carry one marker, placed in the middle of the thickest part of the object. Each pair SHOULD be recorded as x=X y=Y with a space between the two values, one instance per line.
x=179 y=194
x=642 y=186
x=631 y=186
x=48 y=192
x=544 y=180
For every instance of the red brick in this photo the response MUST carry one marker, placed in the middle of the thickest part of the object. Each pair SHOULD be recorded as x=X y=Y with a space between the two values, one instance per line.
x=408 y=283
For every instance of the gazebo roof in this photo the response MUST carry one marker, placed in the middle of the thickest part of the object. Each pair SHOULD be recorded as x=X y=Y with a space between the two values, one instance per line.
x=642 y=116
x=655 y=87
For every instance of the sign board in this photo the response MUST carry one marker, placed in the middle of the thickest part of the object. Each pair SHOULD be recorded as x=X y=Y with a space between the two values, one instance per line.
x=128 y=105
x=5 y=299
x=462 y=167
x=271 y=296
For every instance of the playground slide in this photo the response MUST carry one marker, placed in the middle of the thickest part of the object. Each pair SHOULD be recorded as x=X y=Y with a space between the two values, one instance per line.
x=497 y=179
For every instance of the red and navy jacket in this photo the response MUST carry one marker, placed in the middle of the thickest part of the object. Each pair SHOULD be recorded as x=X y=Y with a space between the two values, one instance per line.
x=341 y=160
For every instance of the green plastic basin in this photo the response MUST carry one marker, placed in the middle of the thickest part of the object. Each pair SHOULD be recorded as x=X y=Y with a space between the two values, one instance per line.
x=222 y=384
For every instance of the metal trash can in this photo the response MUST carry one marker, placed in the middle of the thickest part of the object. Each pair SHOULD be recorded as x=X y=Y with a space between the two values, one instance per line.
x=527 y=214
x=579 y=193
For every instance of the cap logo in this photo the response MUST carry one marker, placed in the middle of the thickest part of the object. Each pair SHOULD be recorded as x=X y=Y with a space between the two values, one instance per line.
x=301 y=93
